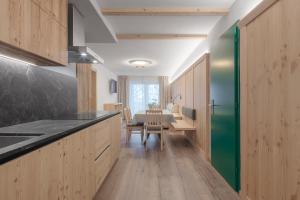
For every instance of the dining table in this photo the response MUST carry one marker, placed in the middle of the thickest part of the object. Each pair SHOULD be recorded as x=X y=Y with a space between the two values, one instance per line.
x=168 y=117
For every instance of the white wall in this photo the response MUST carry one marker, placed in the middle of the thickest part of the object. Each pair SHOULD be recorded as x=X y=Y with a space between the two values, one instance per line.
x=238 y=10
x=103 y=94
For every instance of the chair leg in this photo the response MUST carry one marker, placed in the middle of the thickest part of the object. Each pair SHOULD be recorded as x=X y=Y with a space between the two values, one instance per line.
x=164 y=132
x=146 y=136
x=161 y=141
x=145 y=140
x=128 y=132
x=145 y=144
x=142 y=135
x=129 y=136
x=126 y=136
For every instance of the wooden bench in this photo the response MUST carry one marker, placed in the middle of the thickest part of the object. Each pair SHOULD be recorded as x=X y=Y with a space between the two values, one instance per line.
x=186 y=123
x=177 y=116
x=182 y=125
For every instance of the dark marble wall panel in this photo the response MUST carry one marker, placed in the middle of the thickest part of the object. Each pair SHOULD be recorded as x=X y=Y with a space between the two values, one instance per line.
x=32 y=93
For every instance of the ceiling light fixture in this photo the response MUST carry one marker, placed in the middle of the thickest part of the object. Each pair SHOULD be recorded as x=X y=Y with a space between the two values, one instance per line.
x=83 y=54
x=140 y=63
x=95 y=61
x=17 y=60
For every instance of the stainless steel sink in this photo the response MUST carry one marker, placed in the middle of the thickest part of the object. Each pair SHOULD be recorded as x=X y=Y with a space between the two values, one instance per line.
x=6 y=141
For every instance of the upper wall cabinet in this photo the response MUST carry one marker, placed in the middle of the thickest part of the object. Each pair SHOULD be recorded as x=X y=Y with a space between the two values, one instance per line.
x=34 y=30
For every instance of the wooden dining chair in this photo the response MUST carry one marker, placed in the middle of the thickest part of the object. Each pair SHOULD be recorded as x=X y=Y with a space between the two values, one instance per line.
x=155 y=108
x=154 y=125
x=132 y=126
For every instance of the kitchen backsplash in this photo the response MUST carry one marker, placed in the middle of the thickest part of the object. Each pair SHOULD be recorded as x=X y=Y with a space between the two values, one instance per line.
x=31 y=93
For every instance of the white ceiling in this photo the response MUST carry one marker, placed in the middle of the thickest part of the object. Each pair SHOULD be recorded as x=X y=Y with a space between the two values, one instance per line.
x=168 y=55
x=163 y=24
x=166 y=3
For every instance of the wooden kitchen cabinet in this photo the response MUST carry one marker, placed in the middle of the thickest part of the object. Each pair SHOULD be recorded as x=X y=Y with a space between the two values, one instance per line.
x=4 y=26
x=55 y=8
x=35 y=176
x=102 y=135
x=53 y=30
x=66 y=169
x=34 y=30
x=63 y=44
x=102 y=167
x=50 y=179
x=45 y=31
x=54 y=47
x=115 y=138
x=59 y=11
x=46 y=5
x=113 y=107
x=107 y=136
x=78 y=166
x=30 y=27
x=10 y=18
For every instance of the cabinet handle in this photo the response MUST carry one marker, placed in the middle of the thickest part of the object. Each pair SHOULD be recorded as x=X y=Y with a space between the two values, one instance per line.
x=102 y=153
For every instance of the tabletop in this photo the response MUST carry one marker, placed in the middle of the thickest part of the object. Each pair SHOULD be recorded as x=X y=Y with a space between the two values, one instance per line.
x=167 y=115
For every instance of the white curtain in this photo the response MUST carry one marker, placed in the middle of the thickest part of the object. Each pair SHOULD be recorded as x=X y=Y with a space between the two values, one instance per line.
x=142 y=92
x=123 y=90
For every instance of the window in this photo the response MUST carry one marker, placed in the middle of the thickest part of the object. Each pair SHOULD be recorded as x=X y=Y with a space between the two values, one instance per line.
x=142 y=92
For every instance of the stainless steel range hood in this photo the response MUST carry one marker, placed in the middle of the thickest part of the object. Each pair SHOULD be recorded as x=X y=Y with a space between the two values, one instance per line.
x=78 y=52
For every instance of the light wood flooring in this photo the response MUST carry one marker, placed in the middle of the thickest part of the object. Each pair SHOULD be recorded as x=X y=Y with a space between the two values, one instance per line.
x=177 y=173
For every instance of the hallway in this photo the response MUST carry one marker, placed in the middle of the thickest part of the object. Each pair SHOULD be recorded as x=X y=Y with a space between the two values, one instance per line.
x=177 y=173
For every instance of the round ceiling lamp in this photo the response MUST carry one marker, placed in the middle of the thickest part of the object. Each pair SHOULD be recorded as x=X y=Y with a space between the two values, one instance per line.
x=140 y=63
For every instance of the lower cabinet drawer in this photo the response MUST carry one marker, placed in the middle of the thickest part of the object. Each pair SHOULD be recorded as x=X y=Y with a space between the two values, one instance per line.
x=102 y=136
x=102 y=166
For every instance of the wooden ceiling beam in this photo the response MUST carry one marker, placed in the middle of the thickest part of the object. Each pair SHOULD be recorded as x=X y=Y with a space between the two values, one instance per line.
x=160 y=36
x=165 y=11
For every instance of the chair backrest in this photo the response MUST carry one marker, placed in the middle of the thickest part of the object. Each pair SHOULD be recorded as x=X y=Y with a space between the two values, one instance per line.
x=156 y=107
x=127 y=114
x=154 y=118
x=152 y=106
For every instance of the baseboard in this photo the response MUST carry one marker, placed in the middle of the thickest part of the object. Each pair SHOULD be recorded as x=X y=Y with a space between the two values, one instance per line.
x=198 y=148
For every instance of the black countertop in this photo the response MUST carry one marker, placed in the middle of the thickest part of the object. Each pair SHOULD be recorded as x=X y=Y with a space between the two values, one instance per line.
x=40 y=133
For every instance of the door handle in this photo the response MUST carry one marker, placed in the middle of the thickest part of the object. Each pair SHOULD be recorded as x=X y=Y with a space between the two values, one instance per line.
x=213 y=105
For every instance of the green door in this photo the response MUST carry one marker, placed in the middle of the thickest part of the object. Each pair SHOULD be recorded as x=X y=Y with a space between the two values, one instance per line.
x=225 y=142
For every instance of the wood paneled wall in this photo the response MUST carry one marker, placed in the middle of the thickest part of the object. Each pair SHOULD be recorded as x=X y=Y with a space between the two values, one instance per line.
x=178 y=91
x=270 y=102
x=193 y=87
x=189 y=88
x=189 y=92
x=201 y=103
x=86 y=88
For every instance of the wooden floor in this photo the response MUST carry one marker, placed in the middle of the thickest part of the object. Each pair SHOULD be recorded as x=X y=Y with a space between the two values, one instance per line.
x=177 y=173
